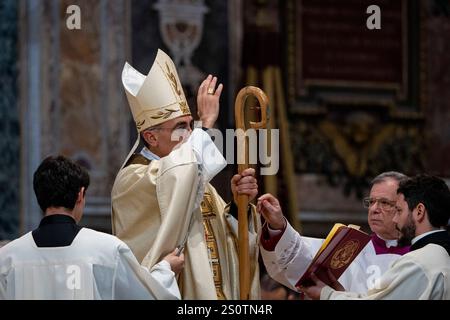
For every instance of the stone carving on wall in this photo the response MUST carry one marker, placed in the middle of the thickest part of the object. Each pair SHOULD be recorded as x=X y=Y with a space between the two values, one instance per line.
x=181 y=28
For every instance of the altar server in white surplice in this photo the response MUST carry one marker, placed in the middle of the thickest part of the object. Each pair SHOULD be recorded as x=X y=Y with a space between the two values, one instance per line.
x=61 y=260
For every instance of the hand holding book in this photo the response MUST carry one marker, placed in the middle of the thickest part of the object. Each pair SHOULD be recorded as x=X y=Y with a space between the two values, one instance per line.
x=313 y=291
x=339 y=249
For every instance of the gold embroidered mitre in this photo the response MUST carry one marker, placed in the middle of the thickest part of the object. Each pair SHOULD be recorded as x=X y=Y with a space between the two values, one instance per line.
x=157 y=97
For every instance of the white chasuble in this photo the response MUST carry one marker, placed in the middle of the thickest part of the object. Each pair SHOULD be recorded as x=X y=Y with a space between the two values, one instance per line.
x=157 y=206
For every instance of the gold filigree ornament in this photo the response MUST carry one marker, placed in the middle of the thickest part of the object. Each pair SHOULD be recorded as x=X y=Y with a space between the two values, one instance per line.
x=184 y=108
x=164 y=115
x=343 y=256
x=140 y=124
x=173 y=80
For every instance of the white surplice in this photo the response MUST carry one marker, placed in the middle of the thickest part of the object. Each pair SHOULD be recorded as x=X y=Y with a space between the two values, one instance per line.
x=95 y=266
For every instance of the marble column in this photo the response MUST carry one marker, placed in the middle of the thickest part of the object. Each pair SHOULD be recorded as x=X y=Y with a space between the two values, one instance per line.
x=73 y=97
x=9 y=121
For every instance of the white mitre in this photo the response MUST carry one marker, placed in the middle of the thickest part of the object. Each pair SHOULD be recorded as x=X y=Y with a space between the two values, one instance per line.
x=155 y=98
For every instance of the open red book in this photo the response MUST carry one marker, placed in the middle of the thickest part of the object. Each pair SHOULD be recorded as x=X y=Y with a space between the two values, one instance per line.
x=339 y=249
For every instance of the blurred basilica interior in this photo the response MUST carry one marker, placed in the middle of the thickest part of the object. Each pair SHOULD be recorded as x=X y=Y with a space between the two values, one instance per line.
x=350 y=102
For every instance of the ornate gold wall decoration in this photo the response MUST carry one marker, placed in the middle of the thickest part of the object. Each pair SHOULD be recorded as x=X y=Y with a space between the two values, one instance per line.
x=352 y=120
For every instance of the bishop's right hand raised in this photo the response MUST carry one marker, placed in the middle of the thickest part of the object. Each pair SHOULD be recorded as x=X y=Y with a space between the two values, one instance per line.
x=208 y=97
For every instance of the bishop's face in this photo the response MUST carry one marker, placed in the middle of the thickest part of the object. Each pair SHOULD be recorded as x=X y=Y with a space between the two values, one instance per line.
x=404 y=221
x=170 y=134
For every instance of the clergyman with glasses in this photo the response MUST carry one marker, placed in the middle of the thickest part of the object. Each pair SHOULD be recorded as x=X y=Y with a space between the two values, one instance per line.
x=287 y=254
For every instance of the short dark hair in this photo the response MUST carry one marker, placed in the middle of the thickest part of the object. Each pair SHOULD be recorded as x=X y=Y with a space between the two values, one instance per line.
x=57 y=182
x=397 y=176
x=144 y=142
x=432 y=192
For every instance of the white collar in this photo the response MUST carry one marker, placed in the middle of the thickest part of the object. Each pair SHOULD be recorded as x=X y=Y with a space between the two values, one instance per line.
x=389 y=243
x=148 y=154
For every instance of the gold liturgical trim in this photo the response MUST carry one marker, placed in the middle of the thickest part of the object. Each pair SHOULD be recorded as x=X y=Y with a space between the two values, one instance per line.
x=213 y=252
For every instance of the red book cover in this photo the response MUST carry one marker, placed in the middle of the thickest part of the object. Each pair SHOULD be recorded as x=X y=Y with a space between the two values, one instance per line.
x=343 y=248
